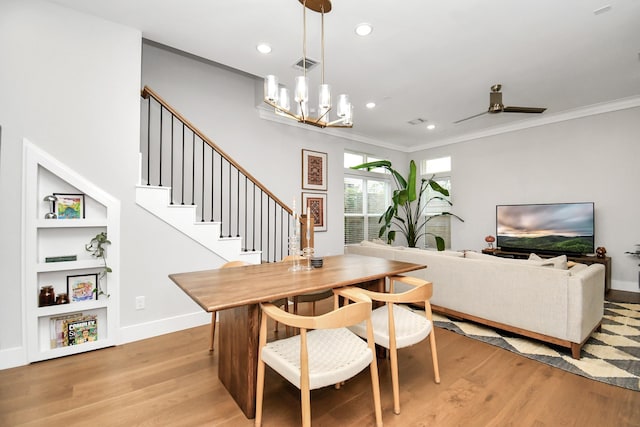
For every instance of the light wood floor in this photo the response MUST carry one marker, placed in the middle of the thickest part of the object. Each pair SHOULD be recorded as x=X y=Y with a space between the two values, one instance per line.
x=171 y=380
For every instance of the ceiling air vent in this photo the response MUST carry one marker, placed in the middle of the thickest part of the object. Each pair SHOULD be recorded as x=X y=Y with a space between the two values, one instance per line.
x=310 y=64
x=417 y=121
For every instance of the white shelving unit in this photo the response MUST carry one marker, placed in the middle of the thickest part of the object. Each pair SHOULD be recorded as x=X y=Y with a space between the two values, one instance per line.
x=44 y=238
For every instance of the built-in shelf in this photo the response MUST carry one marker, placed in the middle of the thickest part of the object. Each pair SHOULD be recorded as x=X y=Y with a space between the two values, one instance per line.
x=44 y=238
x=56 y=310
x=68 y=265
x=71 y=223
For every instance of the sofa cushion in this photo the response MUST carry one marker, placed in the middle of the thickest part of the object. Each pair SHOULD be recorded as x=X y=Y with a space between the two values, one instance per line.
x=577 y=268
x=558 y=262
x=501 y=260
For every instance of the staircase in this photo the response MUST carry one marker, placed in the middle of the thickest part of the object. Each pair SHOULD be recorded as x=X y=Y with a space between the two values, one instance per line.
x=156 y=200
x=191 y=184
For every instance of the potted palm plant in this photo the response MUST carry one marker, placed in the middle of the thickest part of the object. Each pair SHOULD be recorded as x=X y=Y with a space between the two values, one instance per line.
x=407 y=213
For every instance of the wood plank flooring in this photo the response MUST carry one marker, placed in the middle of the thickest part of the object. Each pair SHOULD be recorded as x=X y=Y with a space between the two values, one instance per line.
x=171 y=380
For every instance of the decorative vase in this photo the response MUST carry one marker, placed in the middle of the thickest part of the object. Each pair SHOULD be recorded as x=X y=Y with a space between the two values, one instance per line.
x=47 y=296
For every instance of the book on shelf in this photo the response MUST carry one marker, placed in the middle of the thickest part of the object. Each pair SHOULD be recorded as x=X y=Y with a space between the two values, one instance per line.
x=58 y=329
x=82 y=330
x=62 y=258
x=73 y=329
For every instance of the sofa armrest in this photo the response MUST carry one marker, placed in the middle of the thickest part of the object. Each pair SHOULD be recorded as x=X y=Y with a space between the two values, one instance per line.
x=585 y=301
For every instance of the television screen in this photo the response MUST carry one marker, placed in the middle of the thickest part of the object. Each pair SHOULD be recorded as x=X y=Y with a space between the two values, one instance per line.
x=558 y=228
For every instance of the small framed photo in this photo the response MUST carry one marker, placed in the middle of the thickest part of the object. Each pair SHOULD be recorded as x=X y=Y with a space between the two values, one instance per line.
x=82 y=287
x=314 y=170
x=317 y=203
x=69 y=206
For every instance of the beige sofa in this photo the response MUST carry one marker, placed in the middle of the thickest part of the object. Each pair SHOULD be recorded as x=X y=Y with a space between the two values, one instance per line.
x=540 y=299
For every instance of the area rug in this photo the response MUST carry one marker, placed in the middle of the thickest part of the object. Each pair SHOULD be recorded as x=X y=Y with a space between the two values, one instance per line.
x=611 y=355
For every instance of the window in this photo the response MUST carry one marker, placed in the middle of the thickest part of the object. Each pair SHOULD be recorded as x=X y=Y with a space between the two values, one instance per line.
x=440 y=169
x=366 y=197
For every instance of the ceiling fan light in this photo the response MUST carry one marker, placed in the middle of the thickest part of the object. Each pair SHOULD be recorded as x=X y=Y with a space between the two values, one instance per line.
x=301 y=93
x=271 y=88
x=324 y=96
x=343 y=105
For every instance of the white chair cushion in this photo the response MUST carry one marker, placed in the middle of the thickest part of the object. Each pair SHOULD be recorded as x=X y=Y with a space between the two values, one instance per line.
x=411 y=328
x=335 y=355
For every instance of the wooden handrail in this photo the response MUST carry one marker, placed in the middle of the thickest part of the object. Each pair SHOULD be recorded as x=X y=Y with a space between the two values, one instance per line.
x=148 y=92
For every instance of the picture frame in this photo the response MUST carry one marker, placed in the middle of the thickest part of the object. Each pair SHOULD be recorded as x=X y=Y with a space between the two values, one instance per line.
x=317 y=203
x=314 y=170
x=69 y=206
x=82 y=287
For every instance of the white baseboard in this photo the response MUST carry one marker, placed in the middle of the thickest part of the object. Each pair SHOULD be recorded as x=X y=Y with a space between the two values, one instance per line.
x=17 y=356
x=13 y=357
x=163 y=326
x=620 y=285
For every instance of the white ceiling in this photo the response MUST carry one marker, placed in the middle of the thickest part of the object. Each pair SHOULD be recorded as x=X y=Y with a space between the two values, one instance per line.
x=433 y=60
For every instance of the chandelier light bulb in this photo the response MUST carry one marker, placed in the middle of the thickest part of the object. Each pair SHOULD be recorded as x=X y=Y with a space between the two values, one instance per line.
x=284 y=102
x=303 y=109
x=324 y=96
x=302 y=89
x=271 y=88
x=278 y=97
x=343 y=105
x=348 y=118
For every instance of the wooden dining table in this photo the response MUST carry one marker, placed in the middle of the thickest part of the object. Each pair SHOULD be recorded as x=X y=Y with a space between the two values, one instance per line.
x=235 y=293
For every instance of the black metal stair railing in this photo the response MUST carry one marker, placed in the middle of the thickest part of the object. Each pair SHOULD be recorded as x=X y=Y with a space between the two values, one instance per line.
x=177 y=155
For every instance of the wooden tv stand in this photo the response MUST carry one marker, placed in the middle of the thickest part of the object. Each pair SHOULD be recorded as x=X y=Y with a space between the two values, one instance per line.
x=582 y=259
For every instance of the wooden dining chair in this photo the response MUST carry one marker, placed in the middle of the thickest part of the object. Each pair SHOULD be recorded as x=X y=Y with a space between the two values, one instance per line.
x=324 y=354
x=395 y=326
x=311 y=297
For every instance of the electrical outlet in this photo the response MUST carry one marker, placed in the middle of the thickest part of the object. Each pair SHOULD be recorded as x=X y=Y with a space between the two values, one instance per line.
x=140 y=303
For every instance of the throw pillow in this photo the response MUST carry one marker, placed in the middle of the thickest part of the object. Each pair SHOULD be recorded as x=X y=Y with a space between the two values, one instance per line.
x=559 y=262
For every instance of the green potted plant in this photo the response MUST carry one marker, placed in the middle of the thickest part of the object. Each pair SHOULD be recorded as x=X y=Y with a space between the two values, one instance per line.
x=97 y=248
x=407 y=210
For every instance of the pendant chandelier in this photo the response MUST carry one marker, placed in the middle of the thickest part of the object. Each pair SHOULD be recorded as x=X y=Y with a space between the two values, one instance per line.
x=278 y=97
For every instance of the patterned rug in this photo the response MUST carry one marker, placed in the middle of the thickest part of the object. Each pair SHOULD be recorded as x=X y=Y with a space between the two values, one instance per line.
x=611 y=355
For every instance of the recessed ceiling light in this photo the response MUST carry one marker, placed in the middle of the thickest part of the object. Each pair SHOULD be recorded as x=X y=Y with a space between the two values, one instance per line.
x=431 y=127
x=371 y=105
x=264 y=48
x=364 y=29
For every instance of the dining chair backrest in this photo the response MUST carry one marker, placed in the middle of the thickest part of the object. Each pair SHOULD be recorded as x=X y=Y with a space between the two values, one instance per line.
x=325 y=353
x=396 y=326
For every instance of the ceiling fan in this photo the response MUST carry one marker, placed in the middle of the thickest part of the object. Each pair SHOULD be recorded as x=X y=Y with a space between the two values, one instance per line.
x=496 y=105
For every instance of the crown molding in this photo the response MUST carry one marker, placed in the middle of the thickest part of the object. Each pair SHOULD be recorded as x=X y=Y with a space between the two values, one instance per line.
x=605 y=107
x=592 y=110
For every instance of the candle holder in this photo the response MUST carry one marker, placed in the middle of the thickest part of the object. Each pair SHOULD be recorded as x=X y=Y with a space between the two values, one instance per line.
x=307 y=253
x=294 y=249
x=52 y=209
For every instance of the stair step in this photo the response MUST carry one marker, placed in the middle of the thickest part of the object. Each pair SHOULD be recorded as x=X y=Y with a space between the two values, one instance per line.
x=156 y=200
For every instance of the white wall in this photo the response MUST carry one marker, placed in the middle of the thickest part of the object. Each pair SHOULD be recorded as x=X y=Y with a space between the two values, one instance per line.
x=222 y=104
x=588 y=159
x=69 y=84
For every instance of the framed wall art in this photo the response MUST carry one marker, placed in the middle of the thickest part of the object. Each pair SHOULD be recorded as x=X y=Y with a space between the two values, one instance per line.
x=69 y=206
x=82 y=287
x=314 y=170
x=317 y=203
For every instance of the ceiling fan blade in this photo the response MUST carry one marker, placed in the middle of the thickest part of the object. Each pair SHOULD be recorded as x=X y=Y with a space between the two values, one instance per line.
x=523 y=110
x=470 y=117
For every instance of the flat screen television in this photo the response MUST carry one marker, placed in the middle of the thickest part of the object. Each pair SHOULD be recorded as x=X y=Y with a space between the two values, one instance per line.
x=554 y=228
